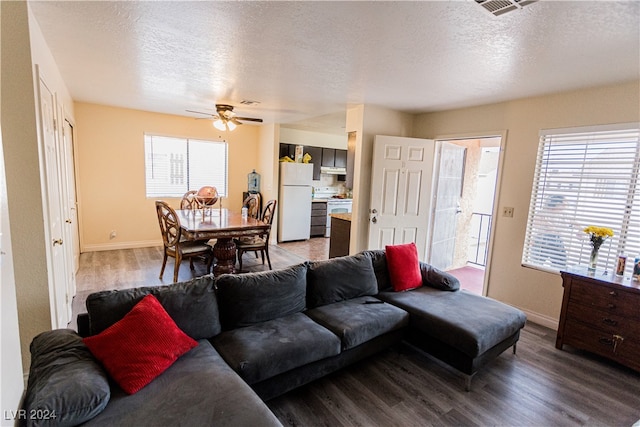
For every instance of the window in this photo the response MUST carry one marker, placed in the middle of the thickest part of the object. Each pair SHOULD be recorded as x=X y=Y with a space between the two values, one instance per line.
x=584 y=177
x=174 y=166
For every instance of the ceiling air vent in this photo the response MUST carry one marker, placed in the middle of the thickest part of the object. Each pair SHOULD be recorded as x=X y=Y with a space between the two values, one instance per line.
x=499 y=7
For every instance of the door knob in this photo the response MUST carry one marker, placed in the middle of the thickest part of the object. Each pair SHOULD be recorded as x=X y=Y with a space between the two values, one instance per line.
x=57 y=242
x=374 y=220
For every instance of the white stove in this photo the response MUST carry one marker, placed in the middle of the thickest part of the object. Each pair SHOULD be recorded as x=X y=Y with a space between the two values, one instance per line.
x=334 y=204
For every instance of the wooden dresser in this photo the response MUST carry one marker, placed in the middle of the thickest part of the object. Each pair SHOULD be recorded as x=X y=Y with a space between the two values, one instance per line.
x=601 y=314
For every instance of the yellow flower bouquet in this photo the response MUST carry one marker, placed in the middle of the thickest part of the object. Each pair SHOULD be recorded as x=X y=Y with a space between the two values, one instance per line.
x=597 y=235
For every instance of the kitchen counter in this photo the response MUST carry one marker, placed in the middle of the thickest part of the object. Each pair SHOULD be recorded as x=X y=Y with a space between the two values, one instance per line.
x=342 y=216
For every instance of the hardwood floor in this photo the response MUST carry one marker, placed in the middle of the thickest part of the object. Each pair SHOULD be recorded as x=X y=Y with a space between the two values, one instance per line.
x=539 y=386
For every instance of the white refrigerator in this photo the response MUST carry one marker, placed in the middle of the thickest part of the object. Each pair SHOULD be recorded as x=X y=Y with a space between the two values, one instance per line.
x=294 y=215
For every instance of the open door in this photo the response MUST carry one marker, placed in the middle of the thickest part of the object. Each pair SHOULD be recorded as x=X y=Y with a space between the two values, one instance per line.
x=450 y=173
x=467 y=171
x=401 y=181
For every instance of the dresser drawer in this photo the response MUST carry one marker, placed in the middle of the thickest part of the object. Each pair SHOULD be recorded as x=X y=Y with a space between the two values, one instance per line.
x=318 y=208
x=318 y=230
x=319 y=220
x=604 y=298
x=604 y=321
x=623 y=349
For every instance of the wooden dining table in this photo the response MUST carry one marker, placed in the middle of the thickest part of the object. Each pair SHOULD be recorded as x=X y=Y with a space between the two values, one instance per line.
x=223 y=225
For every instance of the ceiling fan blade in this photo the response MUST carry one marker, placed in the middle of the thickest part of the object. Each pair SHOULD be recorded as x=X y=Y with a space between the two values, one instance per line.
x=235 y=121
x=214 y=115
x=249 y=119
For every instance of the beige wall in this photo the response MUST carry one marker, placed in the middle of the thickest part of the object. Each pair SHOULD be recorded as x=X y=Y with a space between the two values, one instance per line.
x=313 y=139
x=536 y=292
x=268 y=151
x=23 y=178
x=111 y=183
x=12 y=385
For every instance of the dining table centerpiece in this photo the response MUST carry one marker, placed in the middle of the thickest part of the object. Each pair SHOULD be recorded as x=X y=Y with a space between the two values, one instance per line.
x=597 y=236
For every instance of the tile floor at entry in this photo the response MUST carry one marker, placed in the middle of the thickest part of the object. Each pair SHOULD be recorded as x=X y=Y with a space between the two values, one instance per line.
x=317 y=248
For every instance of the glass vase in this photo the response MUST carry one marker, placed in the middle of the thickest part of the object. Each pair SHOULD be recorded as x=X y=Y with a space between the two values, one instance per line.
x=593 y=259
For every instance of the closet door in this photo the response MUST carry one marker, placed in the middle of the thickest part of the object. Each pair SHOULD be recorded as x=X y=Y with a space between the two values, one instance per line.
x=60 y=300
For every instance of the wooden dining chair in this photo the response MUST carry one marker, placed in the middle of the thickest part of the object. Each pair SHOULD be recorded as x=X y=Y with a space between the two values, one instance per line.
x=251 y=203
x=189 y=200
x=258 y=243
x=174 y=246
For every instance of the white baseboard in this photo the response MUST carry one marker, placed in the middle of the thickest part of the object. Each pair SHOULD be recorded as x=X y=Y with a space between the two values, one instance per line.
x=121 y=245
x=541 y=319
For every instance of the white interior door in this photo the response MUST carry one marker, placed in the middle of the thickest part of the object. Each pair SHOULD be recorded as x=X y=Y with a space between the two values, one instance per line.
x=401 y=181
x=57 y=287
x=71 y=233
x=450 y=173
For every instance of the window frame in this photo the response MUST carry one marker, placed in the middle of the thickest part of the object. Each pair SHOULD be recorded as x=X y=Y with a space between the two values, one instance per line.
x=608 y=168
x=221 y=181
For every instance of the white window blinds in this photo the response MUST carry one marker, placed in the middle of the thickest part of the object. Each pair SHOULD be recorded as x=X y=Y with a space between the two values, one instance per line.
x=174 y=166
x=584 y=177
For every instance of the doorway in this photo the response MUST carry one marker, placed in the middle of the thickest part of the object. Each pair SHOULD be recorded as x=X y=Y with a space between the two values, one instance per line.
x=470 y=231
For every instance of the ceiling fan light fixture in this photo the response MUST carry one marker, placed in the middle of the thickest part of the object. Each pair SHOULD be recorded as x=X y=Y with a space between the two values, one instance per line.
x=219 y=124
x=231 y=125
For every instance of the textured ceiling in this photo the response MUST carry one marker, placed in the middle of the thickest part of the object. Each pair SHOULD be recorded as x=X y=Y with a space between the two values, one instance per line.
x=307 y=59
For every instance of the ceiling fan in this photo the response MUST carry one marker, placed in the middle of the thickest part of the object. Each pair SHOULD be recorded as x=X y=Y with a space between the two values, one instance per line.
x=225 y=118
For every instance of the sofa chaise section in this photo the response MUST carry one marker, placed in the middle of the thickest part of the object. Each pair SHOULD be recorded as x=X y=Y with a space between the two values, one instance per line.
x=462 y=329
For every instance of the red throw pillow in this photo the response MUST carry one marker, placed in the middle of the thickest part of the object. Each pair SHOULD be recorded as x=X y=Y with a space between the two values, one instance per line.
x=140 y=346
x=403 y=265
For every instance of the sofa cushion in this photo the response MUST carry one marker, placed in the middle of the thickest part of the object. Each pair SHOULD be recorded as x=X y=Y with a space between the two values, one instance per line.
x=200 y=319
x=438 y=279
x=359 y=320
x=471 y=323
x=340 y=279
x=269 y=348
x=199 y=389
x=247 y=299
x=404 y=269
x=140 y=346
x=380 y=269
x=67 y=386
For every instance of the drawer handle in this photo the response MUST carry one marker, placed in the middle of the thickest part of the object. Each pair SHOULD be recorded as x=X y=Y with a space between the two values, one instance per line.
x=613 y=293
x=606 y=341
x=609 y=322
x=617 y=340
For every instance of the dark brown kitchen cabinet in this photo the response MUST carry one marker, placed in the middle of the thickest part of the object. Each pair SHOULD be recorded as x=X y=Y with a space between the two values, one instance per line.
x=328 y=157
x=320 y=156
x=287 y=150
x=340 y=237
x=341 y=159
x=318 y=218
x=316 y=158
x=600 y=314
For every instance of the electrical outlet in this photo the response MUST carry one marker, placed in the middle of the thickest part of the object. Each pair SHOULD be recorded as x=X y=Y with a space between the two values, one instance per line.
x=112 y=235
x=507 y=212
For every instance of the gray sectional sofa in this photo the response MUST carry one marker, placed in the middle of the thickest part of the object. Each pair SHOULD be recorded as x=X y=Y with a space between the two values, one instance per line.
x=262 y=334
